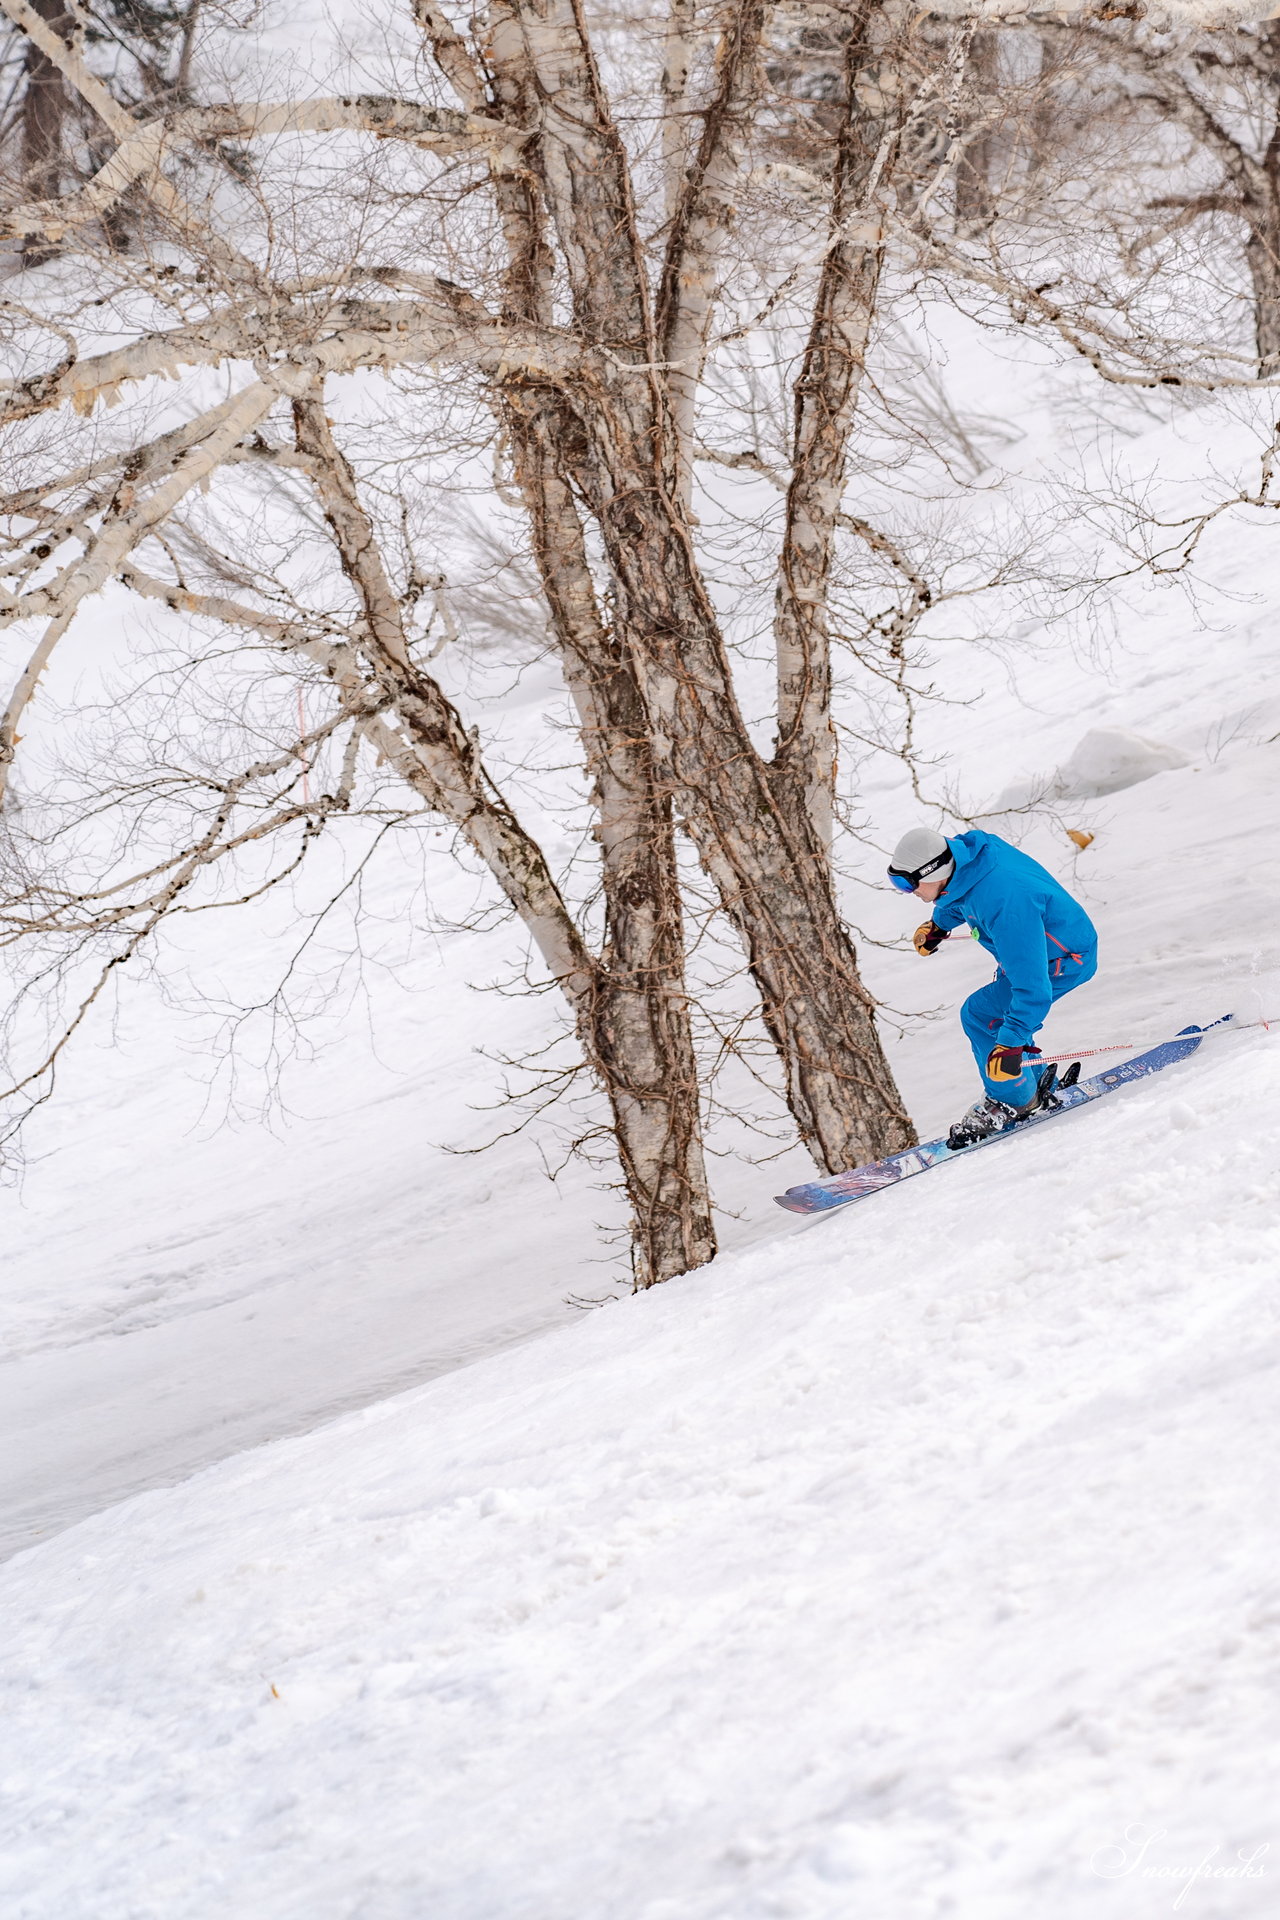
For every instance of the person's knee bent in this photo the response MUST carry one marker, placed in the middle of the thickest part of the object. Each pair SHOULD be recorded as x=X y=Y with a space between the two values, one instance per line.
x=982 y=1013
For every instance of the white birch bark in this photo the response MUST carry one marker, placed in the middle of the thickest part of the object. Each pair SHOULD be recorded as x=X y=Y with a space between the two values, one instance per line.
x=701 y=211
x=434 y=129
x=121 y=532
x=826 y=398
x=441 y=328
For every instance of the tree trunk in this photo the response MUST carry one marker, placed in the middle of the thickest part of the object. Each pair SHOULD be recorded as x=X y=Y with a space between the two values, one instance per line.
x=44 y=109
x=770 y=871
x=1262 y=252
x=974 y=200
x=1262 y=249
x=826 y=396
x=629 y=1007
x=640 y=1032
x=699 y=212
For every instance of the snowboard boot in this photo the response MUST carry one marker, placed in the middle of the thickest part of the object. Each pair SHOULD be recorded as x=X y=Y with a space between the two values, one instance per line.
x=993 y=1116
x=982 y=1120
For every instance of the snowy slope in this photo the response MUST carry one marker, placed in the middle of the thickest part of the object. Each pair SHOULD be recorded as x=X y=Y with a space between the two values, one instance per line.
x=912 y=1562
x=902 y=1564
x=175 y=1290
x=899 y=1567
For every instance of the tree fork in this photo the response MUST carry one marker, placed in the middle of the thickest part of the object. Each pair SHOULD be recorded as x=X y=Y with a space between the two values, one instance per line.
x=770 y=869
x=623 y=458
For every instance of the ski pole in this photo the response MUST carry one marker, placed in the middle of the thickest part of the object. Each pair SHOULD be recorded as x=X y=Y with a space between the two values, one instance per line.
x=1134 y=1046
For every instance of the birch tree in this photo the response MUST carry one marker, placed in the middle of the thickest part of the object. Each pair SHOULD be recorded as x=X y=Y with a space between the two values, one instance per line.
x=578 y=231
x=632 y=1024
x=506 y=232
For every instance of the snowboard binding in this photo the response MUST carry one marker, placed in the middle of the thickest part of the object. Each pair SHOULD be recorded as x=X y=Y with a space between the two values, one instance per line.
x=1050 y=1085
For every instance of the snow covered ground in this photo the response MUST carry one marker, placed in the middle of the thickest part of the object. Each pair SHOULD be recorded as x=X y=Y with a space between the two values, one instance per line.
x=178 y=1286
x=912 y=1562
x=917 y=1563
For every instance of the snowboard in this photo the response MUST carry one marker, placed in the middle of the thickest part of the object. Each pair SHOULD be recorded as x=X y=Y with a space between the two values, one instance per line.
x=841 y=1189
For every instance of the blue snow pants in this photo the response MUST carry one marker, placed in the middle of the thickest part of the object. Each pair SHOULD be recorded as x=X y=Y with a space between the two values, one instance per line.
x=983 y=1013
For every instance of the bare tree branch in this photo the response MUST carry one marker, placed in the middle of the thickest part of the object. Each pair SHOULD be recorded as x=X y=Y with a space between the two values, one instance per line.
x=434 y=129
x=450 y=329
x=121 y=532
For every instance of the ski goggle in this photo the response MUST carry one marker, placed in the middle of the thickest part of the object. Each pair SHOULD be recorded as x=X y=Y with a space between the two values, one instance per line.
x=908 y=882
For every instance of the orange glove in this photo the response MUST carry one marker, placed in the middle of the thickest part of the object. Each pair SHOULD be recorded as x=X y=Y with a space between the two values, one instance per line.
x=1004 y=1063
x=928 y=938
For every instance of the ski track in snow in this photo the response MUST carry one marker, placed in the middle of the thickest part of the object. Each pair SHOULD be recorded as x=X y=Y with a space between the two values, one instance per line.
x=900 y=1564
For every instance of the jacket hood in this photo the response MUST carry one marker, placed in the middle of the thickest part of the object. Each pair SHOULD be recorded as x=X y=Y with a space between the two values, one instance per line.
x=966 y=850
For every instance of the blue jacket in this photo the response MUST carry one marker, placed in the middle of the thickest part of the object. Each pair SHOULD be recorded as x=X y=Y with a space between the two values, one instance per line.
x=1036 y=931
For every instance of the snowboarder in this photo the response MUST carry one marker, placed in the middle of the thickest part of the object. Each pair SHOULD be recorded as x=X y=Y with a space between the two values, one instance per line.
x=1044 y=945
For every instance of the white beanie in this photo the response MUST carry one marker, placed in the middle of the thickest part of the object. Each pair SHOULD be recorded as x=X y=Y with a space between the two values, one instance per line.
x=919 y=849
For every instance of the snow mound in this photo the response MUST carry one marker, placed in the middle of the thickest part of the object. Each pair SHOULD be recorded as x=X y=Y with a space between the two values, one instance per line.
x=1107 y=760
x=1111 y=758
